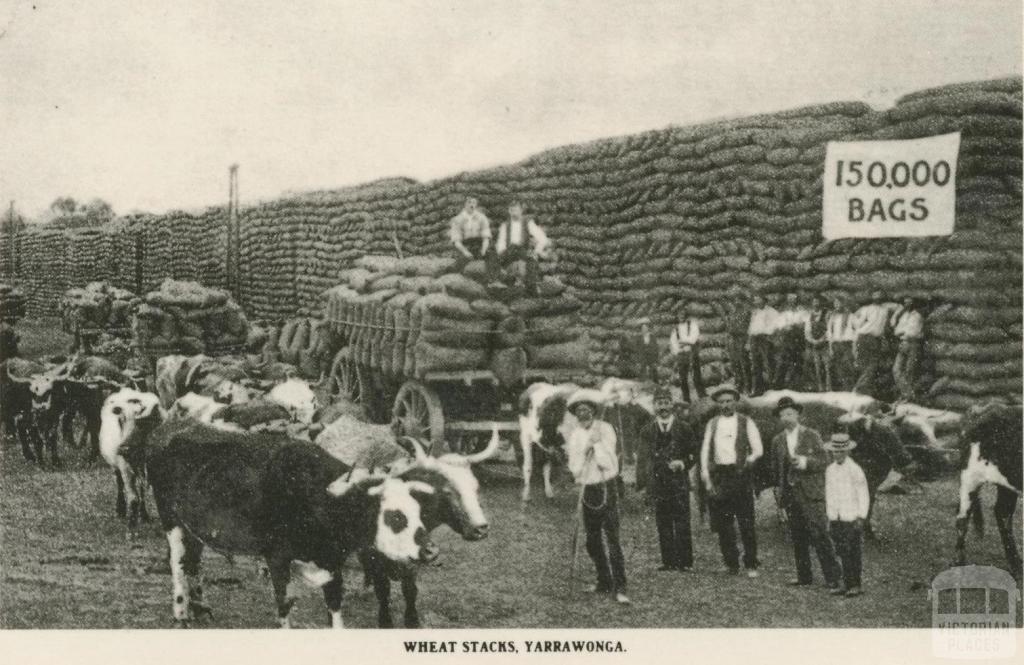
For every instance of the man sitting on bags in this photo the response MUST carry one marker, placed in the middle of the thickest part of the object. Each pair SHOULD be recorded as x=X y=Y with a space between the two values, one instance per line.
x=522 y=241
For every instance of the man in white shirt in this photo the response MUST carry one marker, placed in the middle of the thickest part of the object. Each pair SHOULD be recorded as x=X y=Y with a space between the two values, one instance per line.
x=908 y=327
x=732 y=444
x=522 y=239
x=684 y=343
x=763 y=320
x=870 y=323
x=470 y=232
x=841 y=336
x=595 y=465
x=800 y=462
x=846 y=503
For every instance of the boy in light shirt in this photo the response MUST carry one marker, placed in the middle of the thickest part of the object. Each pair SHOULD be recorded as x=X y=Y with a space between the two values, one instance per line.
x=846 y=503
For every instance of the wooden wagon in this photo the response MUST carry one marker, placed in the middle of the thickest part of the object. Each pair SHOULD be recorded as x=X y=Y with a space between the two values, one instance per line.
x=458 y=408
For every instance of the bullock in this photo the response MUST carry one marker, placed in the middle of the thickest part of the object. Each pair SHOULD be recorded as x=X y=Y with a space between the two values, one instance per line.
x=879 y=451
x=127 y=420
x=17 y=401
x=291 y=405
x=255 y=416
x=455 y=502
x=879 y=447
x=90 y=380
x=287 y=501
x=177 y=375
x=544 y=426
x=992 y=454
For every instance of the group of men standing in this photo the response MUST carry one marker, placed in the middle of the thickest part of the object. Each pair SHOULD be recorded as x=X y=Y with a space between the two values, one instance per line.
x=827 y=500
x=784 y=343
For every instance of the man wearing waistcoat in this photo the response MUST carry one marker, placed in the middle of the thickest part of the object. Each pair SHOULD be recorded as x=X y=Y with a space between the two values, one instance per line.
x=816 y=335
x=800 y=463
x=667 y=452
x=522 y=239
x=732 y=443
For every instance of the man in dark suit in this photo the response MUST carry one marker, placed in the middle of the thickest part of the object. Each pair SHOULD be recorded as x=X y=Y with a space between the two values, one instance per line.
x=667 y=452
x=800 y=462
x=639 y=354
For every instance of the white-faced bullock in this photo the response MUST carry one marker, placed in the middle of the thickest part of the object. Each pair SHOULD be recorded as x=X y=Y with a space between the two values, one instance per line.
x=87 y=384
x=264 y=494
x=127 y=420
x=544 y=426
x=455 y=502
x=992 y=454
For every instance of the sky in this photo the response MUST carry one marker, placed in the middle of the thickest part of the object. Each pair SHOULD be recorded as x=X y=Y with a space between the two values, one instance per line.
x=146 y=103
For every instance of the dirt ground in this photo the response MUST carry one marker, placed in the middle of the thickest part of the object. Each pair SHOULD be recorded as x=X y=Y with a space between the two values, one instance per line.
x=65 y=563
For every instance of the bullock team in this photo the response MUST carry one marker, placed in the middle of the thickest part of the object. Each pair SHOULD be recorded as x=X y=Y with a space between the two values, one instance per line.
x=239 y=473
x=231 y=462
x=823 y=455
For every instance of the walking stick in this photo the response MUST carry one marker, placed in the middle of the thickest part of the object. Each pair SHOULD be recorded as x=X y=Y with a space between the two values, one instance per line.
x=576 y=527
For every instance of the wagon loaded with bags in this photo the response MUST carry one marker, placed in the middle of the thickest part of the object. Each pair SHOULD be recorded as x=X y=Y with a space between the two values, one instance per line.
x=442 y=354
x=188 y=318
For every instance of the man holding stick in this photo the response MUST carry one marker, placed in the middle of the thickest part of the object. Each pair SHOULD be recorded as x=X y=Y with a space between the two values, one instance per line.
x=595 y=466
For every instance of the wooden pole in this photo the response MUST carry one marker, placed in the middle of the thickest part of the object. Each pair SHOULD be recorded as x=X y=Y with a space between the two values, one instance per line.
x=231 y=262
x=11 y=239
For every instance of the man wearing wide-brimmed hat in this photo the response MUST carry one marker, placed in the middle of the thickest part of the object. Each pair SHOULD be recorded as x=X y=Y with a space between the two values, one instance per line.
x=594 y=464
x=846 y=503
x=668 y=450
x=732 y=443
x=800 y=462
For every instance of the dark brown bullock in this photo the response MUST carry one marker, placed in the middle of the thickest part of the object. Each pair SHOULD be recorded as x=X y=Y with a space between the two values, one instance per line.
x=992 y=454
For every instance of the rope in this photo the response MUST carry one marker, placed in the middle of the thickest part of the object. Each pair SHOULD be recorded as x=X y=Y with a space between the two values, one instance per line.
x=374 y=326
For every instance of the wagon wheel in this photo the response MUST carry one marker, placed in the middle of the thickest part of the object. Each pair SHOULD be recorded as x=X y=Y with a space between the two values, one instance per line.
x=345 y=380
x=417 y=413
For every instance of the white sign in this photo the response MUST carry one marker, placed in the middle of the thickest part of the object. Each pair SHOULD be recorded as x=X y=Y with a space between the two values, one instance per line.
x=886 y=189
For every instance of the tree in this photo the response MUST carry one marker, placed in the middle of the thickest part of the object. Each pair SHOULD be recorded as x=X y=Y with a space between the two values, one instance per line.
x=63 y=206
x=68 y=213
x=97 y=211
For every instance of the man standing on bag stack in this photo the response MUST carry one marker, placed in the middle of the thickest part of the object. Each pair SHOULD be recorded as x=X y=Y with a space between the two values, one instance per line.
x=737 y=325
x=841 y=337
x=789 y=335
x=908 y=327
x=684 y=343
x=763 y=320
x=800 y=463
x=816 y=336
x=667 y=452
x=870 y=322
x=732 y=444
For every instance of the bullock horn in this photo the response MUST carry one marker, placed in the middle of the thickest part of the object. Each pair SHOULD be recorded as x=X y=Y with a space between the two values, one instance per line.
x=419 y=486
x=488 y=452
x=420 y=453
